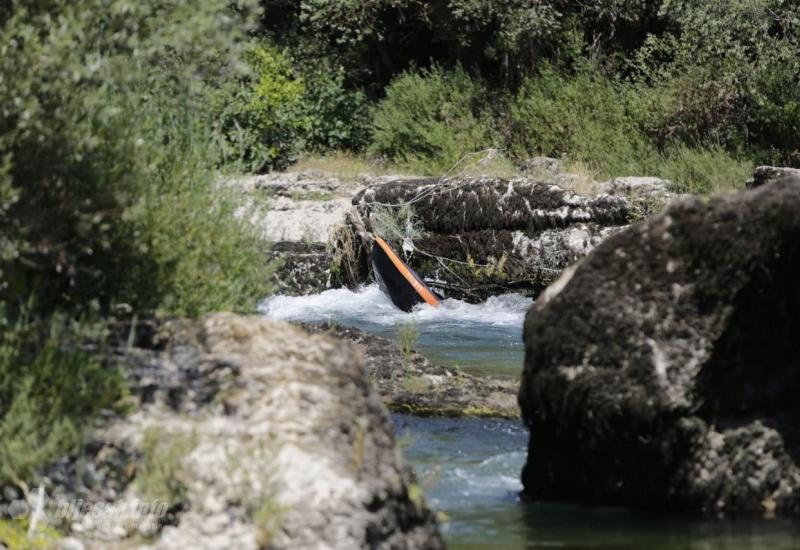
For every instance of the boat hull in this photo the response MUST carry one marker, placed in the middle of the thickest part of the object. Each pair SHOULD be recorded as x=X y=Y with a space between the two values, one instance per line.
x=398 y=281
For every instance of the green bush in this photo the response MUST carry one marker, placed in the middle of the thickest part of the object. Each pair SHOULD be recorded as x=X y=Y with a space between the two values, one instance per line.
x=729 y=74
x=585 y=117
x=704 y=169
x=273 y=112
x=256 y=112
x=107 y=197
x=48 y=386
x=334 y=118
x=109 y=156
x=430 y=119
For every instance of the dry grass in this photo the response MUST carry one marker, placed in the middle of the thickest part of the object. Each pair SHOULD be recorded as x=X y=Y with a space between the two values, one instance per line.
x=581 y=179
x=489 y=163
x=343 y=165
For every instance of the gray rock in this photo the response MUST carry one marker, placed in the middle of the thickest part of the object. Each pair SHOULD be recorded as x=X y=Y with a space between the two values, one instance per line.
x=293 y=206
x=10 y=493
x=767 y=174
x=269 y=437
x=70 y=543
x=663 y=369
x=483 y=236
x=302 y=268
x=541 y=166
x=633 y=185
x=412 y=384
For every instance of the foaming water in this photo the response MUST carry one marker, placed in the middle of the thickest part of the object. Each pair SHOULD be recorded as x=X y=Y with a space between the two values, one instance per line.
x=483 y=338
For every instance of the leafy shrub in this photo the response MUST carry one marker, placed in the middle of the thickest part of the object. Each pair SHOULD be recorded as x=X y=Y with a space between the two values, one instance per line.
x=48 y=386
x=334 y=118
x=107 y=196
x=585 y=117
x=430 y=119
x=704 y=169
x=729 y=74
x=257 y=112
x=95 y=140
x=273 y=113
x=377 y=39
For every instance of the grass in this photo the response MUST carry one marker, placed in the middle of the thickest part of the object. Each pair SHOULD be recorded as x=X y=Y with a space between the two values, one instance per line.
x=163 y=474
x=51 y=381
x=14 y=536
x=396 y=222
x=407 y=336
x=444 y=123
x=704 y=170
x=342 y=164
x=488 y=162
x=416 y=384
x=583 y=180
x=314 y=196
x=694 y=170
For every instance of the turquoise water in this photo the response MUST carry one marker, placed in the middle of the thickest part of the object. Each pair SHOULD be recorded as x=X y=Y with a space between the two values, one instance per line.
x=470 y=468
x=480 y=338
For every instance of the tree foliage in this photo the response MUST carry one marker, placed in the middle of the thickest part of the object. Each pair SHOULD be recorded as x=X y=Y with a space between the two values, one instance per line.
x=103 y=125
x=107 y=198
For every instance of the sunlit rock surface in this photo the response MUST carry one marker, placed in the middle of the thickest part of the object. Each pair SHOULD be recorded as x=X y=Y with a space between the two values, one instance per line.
x=484 y=236
x=664 y=369
x=271 y=437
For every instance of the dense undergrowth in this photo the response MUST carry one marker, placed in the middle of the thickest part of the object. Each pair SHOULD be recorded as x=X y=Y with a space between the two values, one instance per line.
x=118 y=117
x=693 y=91
x=108 y=204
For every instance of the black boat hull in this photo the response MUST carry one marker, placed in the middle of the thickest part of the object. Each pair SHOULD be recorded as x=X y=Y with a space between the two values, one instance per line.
x=398 y=281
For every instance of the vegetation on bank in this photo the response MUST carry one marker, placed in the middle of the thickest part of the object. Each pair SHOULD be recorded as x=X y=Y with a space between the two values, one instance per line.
x=692 y=91
x=118 y=116
x=109 y=152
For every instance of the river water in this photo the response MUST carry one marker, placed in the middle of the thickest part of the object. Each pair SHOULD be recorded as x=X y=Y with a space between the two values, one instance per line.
x=470 y=468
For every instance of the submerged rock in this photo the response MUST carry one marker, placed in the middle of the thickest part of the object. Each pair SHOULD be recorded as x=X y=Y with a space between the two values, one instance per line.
x=664 y=369
x=482 y=236
x=410 y=383
x=256 y=434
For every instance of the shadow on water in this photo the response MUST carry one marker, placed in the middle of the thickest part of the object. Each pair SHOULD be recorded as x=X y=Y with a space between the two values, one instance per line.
x=470 y=468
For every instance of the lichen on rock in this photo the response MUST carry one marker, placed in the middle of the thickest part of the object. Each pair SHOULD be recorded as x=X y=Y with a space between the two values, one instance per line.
x=484 y=236
x=257 y=434
x=663 y=370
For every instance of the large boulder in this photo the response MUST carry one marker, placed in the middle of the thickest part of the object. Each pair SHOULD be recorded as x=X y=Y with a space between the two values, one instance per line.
x=663 y=370
x=256 y=434
x=482 y=236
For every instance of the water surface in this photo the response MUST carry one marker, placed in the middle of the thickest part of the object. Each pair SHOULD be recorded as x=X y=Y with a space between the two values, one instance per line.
x=480 y=338
x=470 y=468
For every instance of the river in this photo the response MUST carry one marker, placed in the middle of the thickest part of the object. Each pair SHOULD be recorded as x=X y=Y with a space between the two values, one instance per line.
x=470 y=468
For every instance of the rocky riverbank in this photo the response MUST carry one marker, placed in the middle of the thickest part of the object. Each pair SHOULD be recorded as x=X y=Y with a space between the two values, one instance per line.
x=663 y=370
x=472 y=237
x=477 y=237
x=253 y=434
x=410 y=383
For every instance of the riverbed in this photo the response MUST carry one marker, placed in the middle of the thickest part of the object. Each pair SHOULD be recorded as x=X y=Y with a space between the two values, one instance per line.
x=470 y=468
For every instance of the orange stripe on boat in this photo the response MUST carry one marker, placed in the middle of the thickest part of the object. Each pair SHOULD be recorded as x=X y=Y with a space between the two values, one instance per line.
x=424 y=293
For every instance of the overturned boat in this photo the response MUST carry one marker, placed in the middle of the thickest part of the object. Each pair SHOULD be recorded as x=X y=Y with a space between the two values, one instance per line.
x=405 y=288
